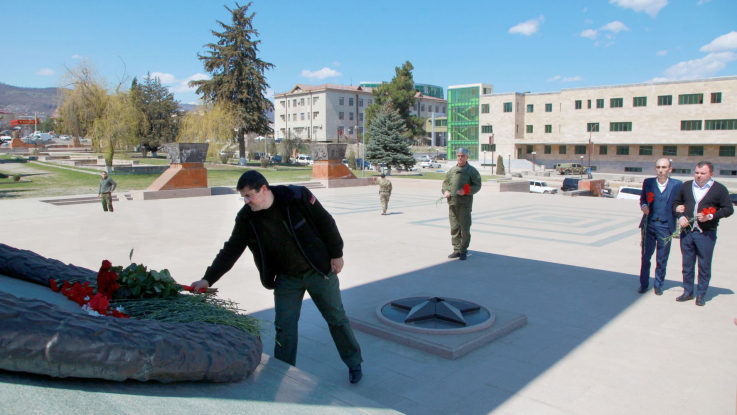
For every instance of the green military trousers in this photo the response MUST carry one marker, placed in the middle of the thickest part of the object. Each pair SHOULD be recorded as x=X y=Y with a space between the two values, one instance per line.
x=325 y=292
x=460 y=227
x=384 y=196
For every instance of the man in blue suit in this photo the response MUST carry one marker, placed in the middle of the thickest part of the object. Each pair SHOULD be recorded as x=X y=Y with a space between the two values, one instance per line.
x=658 y=221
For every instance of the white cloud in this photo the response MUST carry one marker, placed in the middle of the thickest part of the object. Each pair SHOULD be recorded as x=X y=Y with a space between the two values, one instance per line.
x=609 y=44
x=77 y=57
x=555 y=78
x=585 y=9
x=588 y=21
x=662 y=52
x=164 y=78
x=321 y=74
x=651 y=7
x=615 y=27
x=336 y=64
x=571 y=79
x=182 y=85
x=45 y=72
x=722 y=43
x=702 y=2
x=527 y=28
x=705 y=67
x=589 y=33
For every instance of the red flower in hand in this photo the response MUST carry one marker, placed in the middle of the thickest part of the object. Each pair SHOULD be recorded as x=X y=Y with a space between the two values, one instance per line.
x=712 y=210
x=650 y=197
x=709 y=211
x=466 y=189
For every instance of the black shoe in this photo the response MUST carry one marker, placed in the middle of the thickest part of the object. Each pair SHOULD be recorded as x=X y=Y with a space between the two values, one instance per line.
x=684 y=297
x=642 y=290
x=454 y=255
x=355 y=374
x=463 y=257
x=658 y=290
x=700 y=301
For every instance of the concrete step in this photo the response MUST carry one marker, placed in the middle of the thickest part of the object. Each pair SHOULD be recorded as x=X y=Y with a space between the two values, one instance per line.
x=81 y=200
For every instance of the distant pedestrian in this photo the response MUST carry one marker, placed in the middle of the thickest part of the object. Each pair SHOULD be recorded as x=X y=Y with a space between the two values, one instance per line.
x=699 y=206
x=385 y=192
x=460 y=184
x=107 y=185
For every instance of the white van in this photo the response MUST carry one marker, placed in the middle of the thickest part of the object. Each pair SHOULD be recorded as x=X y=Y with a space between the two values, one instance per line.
x=305 y=160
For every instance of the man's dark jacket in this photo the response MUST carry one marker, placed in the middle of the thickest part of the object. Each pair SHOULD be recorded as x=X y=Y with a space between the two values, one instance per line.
x=312 y=226
x=717 y=197
x=650 y=185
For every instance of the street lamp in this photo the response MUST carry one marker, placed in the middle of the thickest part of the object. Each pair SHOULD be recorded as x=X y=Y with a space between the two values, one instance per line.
x=533 y=160
x=510 y=163
x=363 y=136
x=581 y=169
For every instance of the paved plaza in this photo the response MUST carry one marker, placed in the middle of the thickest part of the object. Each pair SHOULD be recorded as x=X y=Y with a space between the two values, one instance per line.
x=592 y=345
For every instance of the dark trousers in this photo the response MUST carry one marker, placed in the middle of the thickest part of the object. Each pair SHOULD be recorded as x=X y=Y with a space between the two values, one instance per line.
x=697 y=245
x=325 y=292
x=460 y=227
x=107 y=201
x=654 y=235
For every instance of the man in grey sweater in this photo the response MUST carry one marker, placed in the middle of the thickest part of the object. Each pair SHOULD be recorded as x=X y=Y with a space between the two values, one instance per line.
x=107 y=185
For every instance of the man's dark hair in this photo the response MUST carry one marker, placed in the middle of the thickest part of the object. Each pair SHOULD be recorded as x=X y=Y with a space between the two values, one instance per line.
x=706 y=163
x=383 y=175
x=252 y=180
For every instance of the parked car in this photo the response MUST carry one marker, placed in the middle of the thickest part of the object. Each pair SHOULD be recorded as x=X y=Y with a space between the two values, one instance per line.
x=425 y=158
x=607 y=192
x=304 y=160
x=569 y=183
x=277 y=159
x=570 y=168
x=430 y=164
x=541 y=187
x=65 y=138
x=441 y=156
x=733 y=196
x=626 y=192
x=366 y=164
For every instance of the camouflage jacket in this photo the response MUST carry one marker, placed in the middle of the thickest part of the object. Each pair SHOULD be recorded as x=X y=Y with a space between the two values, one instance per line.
x=385 y=186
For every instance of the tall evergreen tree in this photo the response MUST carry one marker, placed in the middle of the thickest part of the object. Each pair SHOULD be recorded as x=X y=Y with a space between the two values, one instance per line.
x=160 y=109
x=387 y=143
x=401 y=92
x=238 y=74
x=500 y=166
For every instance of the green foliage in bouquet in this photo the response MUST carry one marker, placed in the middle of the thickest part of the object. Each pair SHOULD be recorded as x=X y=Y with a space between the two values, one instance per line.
x=137 y=281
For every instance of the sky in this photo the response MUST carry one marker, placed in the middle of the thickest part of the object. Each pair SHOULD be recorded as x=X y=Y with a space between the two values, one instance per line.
x=535 y=45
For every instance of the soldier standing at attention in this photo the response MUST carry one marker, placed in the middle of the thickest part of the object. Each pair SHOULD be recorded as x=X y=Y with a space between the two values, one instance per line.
x=107 y=185
x=460 y=184
x=385 y=191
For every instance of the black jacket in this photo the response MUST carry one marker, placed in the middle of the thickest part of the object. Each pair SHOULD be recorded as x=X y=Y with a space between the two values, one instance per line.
x=717 y=197
x=312 y=226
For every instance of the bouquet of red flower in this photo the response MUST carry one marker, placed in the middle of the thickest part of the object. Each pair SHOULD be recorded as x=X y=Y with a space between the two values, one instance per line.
x=466 y=190
x=705 y=212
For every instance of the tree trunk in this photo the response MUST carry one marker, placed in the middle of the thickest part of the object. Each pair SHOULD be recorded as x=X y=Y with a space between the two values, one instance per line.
x=242 y=145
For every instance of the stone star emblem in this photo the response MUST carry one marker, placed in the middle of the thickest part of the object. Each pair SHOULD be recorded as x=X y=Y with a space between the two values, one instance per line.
x=420 y=309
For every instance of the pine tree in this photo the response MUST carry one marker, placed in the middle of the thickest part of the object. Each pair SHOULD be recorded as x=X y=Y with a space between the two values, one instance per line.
x=500 y=166
x=238 y=74
x=160 y=109
x=387 y=144
x=401 y=92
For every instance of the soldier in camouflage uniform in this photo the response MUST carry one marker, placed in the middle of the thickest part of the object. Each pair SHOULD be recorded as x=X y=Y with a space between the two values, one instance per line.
x=385 y=191
x=460 y=203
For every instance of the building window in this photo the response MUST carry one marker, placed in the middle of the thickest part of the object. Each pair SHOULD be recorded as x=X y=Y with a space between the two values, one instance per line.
x=579 y=150
x=350 y=102
x=561 y=149
x=530 y=108
x=294 y=116
x=548 y=107
x=690 y=125
x=314 y=100
x=301 y=101
x=529 y=149
x=623 y=150
x=529 y=129
x=341 y=115
x=728 y=172
x=721 y=125
x=670 y=150
x=422 y=107
x=696 y=150
x=289 y=117
x=599 y=103
x=283 y=117
x=302 y=116
x=360 y=102
x=665 y=100
x=716 y=97
x=616 y=102
x=350 y=130
x=294 y=102
x=370 y=101
x=484 y=108
x=548 y=149
x=487 y=129
x=341 y=101
x=726 y=151
x=633 y=169
x=507 y=107
x=578 y=104
x=688 y=99
x=360 y=116
x=639 y=102
x=350 y=116
x=548 y=128
x=682 y=171
x=592 y=127
x=517 y=106
x=620 y=126
x=646 y=150
x=603 y=150
x=314 y=115
x=517 y=129
x=282 y=103
x=588 y=104
x=360 y=130
x=443 y=110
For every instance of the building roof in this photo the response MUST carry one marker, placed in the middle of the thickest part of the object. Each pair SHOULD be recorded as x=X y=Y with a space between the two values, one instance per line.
x=306 y=88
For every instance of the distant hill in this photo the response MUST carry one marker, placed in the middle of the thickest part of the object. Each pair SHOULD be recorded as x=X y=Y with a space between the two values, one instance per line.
x=29 y=100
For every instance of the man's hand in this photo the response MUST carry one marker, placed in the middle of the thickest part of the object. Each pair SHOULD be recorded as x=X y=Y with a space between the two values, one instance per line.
x=645 y=209
x=447 y=194
x=680 y=208
x=460 y=193
x=98 y=195
x=702 y=218
x=683 y=222
x=198 y=285
x=337 y=265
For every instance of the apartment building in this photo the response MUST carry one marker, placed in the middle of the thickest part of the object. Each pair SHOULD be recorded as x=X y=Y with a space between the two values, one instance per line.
x=426 y=89
x=331 y=112
x=617 y=129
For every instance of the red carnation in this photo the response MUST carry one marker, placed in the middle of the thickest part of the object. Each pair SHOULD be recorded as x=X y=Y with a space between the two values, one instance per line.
x=54 y=285
x=712 y=210
x=99 y=303
x=466 y=189
x=106 y=265
x=650 y=197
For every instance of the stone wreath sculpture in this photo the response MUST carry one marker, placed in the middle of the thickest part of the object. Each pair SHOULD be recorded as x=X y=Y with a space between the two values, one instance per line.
x=41 y=338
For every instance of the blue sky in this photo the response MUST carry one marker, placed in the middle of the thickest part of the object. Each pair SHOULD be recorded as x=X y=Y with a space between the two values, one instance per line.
x=518 y=46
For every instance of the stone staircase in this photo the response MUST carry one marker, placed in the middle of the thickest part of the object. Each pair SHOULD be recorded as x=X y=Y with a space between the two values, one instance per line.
x=81 y=200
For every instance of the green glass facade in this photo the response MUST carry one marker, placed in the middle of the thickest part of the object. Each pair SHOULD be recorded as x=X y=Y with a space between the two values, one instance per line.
x=463 y=121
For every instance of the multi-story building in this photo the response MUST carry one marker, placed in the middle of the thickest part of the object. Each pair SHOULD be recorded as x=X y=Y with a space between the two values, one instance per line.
x=620 y=128
x=425 y=89
x=436 y=129
x=331 y=112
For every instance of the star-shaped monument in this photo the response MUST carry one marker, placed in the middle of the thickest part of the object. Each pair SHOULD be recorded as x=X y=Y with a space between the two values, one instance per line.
x=435 y=308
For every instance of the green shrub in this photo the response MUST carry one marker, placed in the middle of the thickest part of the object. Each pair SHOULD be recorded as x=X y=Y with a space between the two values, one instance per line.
x=264 y=162
x=16 y=177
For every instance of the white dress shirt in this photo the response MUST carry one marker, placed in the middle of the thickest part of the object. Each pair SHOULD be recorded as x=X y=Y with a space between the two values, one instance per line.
x=698 y=194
